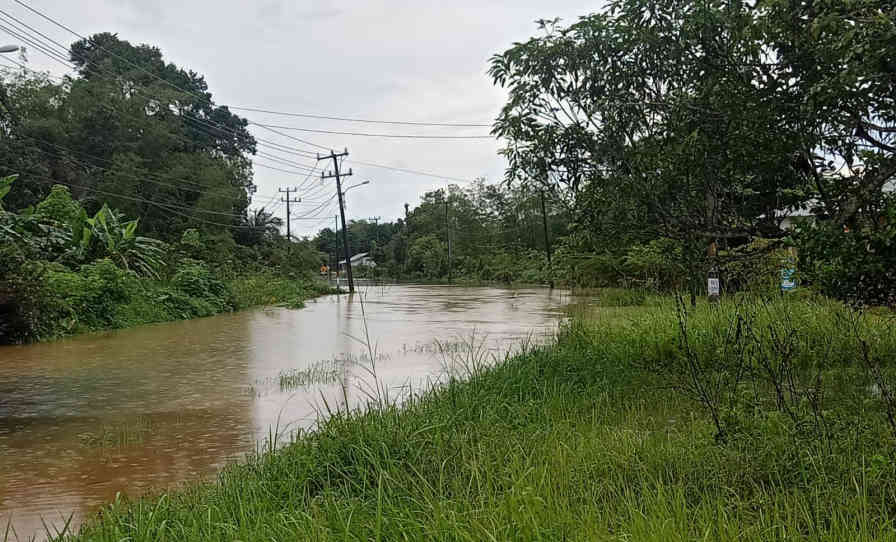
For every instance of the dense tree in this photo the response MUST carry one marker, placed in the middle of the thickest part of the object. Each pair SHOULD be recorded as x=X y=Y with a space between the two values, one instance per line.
x=703 y=122
x=836 y=63
x=651 y=118
x=131 y=130
x=495 y=232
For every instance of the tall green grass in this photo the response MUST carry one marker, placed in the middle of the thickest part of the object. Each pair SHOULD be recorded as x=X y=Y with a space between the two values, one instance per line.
x=579 y=440
x=270 y=289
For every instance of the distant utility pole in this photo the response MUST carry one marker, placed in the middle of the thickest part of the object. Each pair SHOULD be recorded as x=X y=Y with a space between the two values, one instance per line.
x=547 y=237
x=287 y=201
x=335 y=253
x=448 y=238
x=376 y=227
x=336 y=175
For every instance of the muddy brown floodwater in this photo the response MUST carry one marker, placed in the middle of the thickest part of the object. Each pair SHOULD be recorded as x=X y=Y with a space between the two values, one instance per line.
x=156 y=406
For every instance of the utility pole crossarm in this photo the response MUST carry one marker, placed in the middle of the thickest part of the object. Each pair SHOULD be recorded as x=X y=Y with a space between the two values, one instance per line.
x=287 y=200
x=336 y=175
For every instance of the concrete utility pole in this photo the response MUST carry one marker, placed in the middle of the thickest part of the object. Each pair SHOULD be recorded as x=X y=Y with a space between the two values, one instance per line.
x=448 y=238
x=334 y=256
x=287 y=200
x=547 y=237
x=336 y=175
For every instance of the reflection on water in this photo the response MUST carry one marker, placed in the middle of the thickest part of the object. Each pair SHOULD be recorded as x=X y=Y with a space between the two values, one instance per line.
x=151 y=407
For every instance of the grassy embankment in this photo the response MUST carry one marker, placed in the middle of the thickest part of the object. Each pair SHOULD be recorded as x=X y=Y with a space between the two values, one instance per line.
x=589 y=439
x=102 y=296
x=152 y=302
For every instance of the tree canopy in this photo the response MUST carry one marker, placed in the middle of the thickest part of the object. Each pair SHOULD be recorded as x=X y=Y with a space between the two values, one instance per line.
x=132 y=130
x=705 y=121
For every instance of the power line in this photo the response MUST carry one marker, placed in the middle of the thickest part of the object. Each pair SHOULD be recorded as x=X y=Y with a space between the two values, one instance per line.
x=365 y=134
x=270 y=128
x=149 y=178
x=275 y=168
x=288 y=200
x=309 y=170
x=138 y=67
x=203 y=123
x=283 y=161
x=36 y=31
x=340 y=194
x=37 y=45
x=219 y=126
x=316 y=210
x=168 y=206
x=358 y=162
x=365 y=121
x=135 y=198
x=410 y=171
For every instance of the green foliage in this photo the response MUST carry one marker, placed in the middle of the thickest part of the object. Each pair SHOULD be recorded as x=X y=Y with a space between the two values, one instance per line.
x=195 y=279
x=496 y=233
x=658 y=265
x=620 y=297
x=858 y=265
x=629 y=111
x=650 y=132
x=64 y=272
x=5 y=186
x=59 y=206
x=271 y=289
x=27 y=313
x=428 y=258
x=89 y=296
x=191 y=238
x=109 y=235
x=110 y=135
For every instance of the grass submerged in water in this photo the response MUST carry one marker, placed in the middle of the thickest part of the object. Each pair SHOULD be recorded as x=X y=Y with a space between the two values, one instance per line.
x=567 y=442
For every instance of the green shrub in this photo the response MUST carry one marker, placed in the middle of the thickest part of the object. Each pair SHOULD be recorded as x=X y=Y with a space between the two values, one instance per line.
x=90 y=296
x=658 y=265
x=27 y=311
x=270 y=289
x=755 y=267
x=194 y=279
x=59 y=205
x=858 y=265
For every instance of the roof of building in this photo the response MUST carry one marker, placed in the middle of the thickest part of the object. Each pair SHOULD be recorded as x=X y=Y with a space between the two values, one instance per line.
x=356 y=257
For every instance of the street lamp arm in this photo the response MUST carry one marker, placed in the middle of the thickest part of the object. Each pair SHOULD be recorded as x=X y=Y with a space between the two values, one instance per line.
x=355 y=186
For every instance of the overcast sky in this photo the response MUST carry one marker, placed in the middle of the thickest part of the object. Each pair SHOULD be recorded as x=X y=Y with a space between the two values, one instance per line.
x=389 y=60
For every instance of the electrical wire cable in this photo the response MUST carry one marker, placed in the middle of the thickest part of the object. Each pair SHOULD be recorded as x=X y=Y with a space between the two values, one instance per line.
x=138 y=67
x=150 y=178
x=166 y=206
x=312 y=168
x=365 y=134
x=240 y=108
x=269 y=128
x=364 y=121
x=188 y=184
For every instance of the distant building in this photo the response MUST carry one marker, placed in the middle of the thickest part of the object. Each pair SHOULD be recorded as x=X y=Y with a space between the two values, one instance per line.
x=362 y=259
x=793 y=216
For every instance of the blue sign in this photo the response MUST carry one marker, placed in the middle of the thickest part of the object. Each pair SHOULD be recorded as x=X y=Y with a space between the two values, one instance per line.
x=787 y=281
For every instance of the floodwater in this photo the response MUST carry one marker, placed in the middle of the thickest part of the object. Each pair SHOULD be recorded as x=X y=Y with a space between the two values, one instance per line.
x=152 y=407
